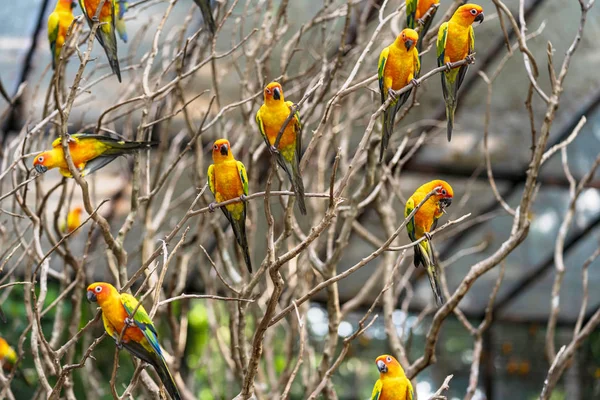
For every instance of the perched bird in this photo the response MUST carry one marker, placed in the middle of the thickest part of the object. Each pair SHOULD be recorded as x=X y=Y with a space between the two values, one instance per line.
x=89 y=153
x=73 y=220
x=58 y=24
x=136 y=333
x=424 y=221
x=120 y=9
x=227 y=180
x=455 y=42
x=415 y=10
x=207 y=14
x=399 y=66
x=106 y=31
x=8 y=357
x=270 y=117
x=392 y=383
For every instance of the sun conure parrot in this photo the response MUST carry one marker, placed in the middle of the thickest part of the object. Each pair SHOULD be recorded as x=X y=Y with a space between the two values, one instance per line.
x=455 y=42
x=270 y=117
x=227 y=180
x=424 y=221
x=120 y=9
x=392 y=383
x=207 y=14
x=58 y=24
x=8 y=357
x=415 y=10
x=89 y=153
x=106 y=31
x=399 y=65
x=140 y=337
x=73 y=220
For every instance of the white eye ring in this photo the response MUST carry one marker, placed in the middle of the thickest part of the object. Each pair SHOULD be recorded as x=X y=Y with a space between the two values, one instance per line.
x=474 y=11
x=268 y=91
x=40 y=158
x=444 y=192
x=388 y=359
x=98 y=289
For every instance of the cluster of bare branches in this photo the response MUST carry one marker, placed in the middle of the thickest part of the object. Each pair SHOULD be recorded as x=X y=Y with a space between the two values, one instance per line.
x=168 y=244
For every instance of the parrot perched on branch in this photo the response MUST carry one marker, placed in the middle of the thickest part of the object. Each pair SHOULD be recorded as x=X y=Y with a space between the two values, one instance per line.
x=134 y=332
x=120 y=9
x=89 y=153
x=227 y=180
x=106 y=31
x=207 y=14
x=392 y=383
x=456 y=40
x=58 y=24
x=415 y=10
x=424 y=221
x=270 y=118
x=399 y=66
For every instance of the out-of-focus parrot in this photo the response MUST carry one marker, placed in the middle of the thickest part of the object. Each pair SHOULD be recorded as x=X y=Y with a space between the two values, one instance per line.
x=73 y=220
x=455 y=41
x=415 y=10
x=399 y=65
x=270 y=117
x=139 y=337
x=89 y=153
x=424 y=221
x=227 y=179
x=58 y=24
x=392 y=383
x=207 y=14
x=8 y=357
x=106 y=31
x=120 y=9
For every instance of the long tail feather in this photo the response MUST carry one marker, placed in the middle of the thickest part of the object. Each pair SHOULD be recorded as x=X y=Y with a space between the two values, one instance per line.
x=450 y=107
x=298 y=187
x=166 y=378
x=108 y=40
x=449 y=90
x=207 y=15
x=239 y=231
x=433 y=274
x=424 y=255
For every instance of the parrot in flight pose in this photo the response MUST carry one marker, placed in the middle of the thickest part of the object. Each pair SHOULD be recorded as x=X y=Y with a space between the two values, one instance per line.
x=392 y=383
x=106 y=31
x=207 y=14
x=89 y=153
x=415 y=10
x=455 y=41
x=120 y=9
x=399 y=66
x=270 y=117
x=424 y=221
x=58 y=24
x=227 y=179
x=139 y=335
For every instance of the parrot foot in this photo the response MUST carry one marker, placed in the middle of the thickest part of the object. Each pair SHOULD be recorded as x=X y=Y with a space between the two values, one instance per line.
x=211 y=207
x=95 y=19
x=119 y=344
x=421 y=22
x=448 y=67
x=415 y=83
x=273 y=150
x=392 y=94
x=128 y=321
x=427 y=235
x=470 y=59
x=243 y=198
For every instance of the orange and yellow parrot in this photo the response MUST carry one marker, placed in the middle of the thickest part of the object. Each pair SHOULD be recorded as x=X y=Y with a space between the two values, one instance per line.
x=415 y=10
x=8 y=357
x=89 y=153
x=58 y=24
x=455 y=42
x=424 y=221
x=399 y=66
x=106 y=31
x=73 y=220
x=270 y=117
x=227 y=180
x=120 y=9
x=392 y=383
x=136 y=333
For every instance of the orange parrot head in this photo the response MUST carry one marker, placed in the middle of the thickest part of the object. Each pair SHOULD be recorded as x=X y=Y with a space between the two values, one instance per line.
x=408 y=38
x=470 y=13
x=99 y=292
x=387 y=364
x=445 y=194
x=273 y=93
x=221 y=151
x=43 y=161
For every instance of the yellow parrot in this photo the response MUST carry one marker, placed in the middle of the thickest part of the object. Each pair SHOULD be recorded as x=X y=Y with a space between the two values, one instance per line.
x=415 y=10
x=392 y=383
x=424 y=221
x=227 y=180
x=58 y=24
x=399 y=66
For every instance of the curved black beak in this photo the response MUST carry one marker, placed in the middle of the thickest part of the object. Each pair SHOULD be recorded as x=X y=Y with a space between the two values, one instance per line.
x=91 y=296
x=276 y=94
x=408 y=44
x=446 y=202
x=224 y=150
x=479 y=18
x=381 y=366
x=41 y=168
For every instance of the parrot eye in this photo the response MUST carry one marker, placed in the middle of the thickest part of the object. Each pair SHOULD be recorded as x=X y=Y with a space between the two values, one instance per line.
x=268 y=91
x=216 y=147
x=98 y=289
x=443 y=192
x=474 y=11
x=388 y=359
x=41 y=159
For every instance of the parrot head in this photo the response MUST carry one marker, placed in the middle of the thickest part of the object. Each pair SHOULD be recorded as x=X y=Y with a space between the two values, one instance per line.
x=470 y=13
x=273 y=92
x=444 y=194
x=387 y=364
x=98 y=292
x=408 y=38
x=43 y=162
x=221 y=150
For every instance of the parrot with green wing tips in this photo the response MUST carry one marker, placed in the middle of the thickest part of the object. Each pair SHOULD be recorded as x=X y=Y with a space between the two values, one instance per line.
x=392 y=383
x=58 y=24
x=456 y=40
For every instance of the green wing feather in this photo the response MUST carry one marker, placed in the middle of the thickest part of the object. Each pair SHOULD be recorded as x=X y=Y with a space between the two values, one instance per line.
x=377 y=390
x=411 y=13
x=243 y=176
x=211 y=179
x=53 y=24
x=142 y=320
x=380 y=70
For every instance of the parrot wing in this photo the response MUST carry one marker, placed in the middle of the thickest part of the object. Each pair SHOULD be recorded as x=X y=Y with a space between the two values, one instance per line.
x=97 y=163
x=380 y=70
x=120 y=8
x=297 y=129
x=416 y=63
x=243 y=176
x=142 y=320
x=53 y=24
x=295 y=163
x=409 y=390
x=278 y=156
x=411 y=13
x=441 y=46
x=211 y=179
x=377 y=389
